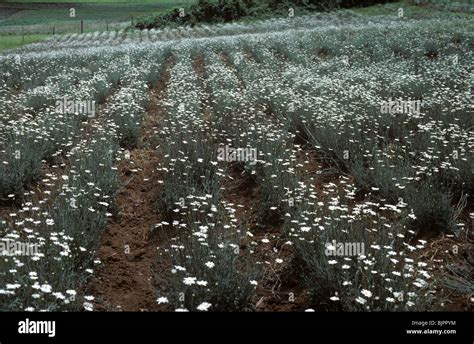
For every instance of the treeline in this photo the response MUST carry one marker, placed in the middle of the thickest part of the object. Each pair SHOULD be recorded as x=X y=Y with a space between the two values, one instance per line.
x=223 y=11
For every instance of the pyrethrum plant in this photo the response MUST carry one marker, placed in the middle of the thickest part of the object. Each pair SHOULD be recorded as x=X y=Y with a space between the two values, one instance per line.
x=209 y=271
x=353 y=261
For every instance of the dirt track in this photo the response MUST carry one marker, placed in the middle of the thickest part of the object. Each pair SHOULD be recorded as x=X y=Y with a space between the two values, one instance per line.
x=127 y=250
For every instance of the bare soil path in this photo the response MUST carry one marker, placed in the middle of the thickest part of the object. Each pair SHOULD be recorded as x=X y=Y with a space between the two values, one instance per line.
x=128 y=251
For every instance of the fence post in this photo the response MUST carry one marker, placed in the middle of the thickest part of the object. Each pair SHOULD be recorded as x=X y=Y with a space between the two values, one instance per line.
x=107 y=24
x=82 y=26
x=22 y=34
x=53 y=29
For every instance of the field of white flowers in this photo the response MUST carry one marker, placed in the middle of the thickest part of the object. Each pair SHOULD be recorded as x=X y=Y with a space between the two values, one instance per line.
x=363 y=134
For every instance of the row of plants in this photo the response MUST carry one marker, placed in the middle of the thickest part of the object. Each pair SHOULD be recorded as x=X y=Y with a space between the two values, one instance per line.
x=208 y=269
x=64 y=222
x=305 y=100
x=63 y=227
x=408 y=287
x=46 y=126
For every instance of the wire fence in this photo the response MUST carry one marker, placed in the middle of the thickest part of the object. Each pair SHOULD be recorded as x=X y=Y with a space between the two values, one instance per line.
x=76 y=26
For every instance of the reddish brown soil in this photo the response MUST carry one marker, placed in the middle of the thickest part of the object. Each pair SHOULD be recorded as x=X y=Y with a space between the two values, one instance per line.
x=127 y=249
x=230 y=64
x=6 y=209
x=199 y=68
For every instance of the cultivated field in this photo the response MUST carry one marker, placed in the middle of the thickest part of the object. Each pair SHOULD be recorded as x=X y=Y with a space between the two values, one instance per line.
x=320 y=162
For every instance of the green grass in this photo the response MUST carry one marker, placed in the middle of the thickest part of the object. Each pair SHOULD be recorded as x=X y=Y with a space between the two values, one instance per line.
x=47 y=14
x=16 y=41
x=40 y=18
